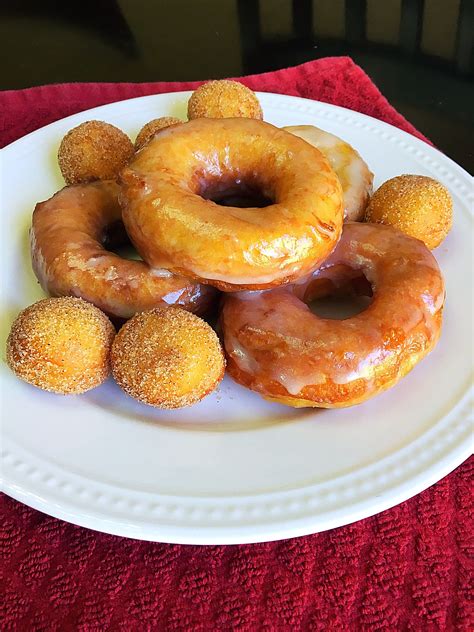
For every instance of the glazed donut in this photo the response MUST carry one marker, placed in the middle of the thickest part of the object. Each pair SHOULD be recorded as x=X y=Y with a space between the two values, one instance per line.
x=68 y=237
x=354 y=174
x=170 y=190
x=276 y=346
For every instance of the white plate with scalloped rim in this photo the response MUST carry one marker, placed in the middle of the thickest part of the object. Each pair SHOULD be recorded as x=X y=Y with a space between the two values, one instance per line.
x=234 y=468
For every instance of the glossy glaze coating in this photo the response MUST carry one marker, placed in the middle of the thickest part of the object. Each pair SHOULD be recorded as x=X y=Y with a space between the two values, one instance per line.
x=69 y=258
x=354 y=174
x=173 y=226
x=276 y=346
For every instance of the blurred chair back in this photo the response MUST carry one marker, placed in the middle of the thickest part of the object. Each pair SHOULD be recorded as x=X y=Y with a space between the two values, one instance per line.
x=414 y=17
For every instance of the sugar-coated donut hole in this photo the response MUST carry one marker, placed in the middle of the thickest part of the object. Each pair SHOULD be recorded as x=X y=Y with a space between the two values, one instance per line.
x=238 y=191
x=61 y=344
x=351 y=295
x=94 y=150
x=167 y=357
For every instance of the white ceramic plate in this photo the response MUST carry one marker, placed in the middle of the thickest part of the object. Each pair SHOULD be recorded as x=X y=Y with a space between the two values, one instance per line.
x=234 y=468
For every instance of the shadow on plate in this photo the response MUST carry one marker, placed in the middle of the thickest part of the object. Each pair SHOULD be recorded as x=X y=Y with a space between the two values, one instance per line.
x=230 y=408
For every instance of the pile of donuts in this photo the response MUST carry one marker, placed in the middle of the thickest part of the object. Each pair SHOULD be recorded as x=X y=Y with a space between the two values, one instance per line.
x=240 y=224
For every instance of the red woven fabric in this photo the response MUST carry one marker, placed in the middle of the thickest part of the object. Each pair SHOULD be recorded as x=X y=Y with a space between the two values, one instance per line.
x=405 y=569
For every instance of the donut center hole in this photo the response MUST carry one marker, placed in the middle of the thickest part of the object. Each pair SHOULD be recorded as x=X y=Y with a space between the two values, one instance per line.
x=341 y=298
x=237 y=192
x=115 y=239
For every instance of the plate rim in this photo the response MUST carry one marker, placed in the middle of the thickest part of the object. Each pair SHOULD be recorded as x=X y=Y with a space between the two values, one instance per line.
x=177 y=533
x=215 y=533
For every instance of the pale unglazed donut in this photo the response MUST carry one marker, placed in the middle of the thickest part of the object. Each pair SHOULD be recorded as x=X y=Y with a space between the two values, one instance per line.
x=168 y=209
x=69 y=257
x=277 y=347
x=354 y=174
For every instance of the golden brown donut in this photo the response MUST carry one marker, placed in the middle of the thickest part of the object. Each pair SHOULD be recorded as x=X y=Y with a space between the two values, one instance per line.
x=224 y=98
x=153 y=127
x=69 y=254
x=167 y=358
x=61 y=345
x=172 y=188
x=277 y=347
x=417 y=205
x=93 y=150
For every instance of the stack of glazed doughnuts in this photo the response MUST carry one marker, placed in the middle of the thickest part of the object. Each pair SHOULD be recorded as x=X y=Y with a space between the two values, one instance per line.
x=230 y=213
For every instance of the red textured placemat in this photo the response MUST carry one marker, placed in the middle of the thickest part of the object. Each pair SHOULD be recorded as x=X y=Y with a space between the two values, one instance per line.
x=406 y=569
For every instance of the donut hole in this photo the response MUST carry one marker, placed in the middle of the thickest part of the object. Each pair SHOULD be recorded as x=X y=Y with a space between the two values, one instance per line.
x=238 y=192
x=115 y=239
x=344 y=295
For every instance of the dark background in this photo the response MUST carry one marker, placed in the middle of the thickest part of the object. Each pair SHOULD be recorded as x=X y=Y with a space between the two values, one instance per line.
x=418 y=52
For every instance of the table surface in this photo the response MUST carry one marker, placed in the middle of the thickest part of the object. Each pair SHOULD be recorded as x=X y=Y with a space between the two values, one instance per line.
x=428 y=78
